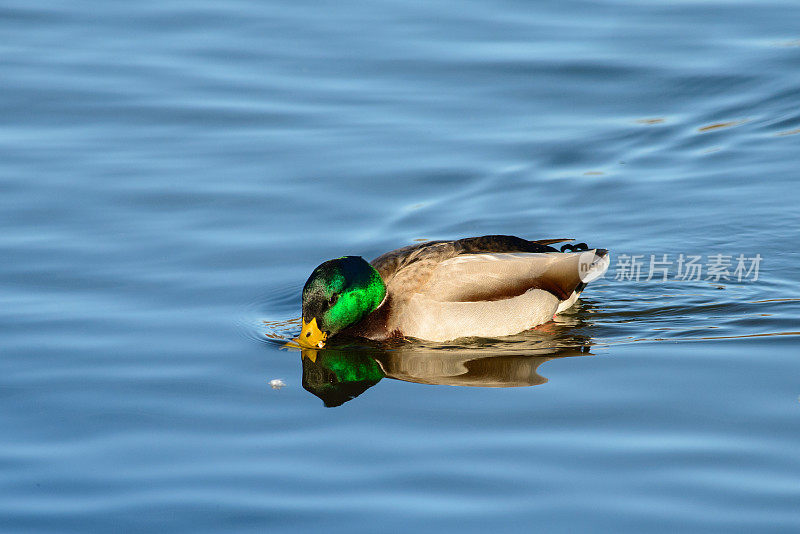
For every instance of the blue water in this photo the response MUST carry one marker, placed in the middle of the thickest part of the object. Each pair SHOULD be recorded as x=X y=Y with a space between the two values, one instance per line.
x=171 y=172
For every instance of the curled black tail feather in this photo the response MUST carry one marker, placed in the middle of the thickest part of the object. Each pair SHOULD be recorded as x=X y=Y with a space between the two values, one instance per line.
x=577 y=247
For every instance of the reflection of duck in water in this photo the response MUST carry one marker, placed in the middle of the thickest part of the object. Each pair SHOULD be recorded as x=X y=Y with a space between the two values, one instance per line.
x=337 y=376
x=442 y=290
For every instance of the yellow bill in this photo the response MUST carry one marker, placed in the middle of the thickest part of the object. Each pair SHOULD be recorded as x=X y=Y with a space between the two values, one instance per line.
x=311 y=354
x=311 y=336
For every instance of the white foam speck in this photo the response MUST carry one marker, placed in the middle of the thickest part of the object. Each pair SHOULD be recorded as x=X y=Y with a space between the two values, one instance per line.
x=277 y=383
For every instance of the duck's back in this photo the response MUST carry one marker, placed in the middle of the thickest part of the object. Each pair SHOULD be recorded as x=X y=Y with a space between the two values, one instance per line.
x=434 y=252
x=481 y=286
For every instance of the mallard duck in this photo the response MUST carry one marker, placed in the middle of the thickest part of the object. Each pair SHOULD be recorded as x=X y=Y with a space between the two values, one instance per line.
x=487 y=286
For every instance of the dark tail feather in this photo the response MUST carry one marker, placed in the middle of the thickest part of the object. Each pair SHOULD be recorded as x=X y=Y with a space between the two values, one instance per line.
x=551 y=241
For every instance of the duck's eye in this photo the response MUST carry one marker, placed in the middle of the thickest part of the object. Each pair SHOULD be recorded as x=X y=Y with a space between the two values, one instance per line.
x=332 y=300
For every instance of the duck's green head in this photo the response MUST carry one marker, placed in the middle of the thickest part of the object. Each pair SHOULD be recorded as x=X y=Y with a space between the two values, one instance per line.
x=339 y=293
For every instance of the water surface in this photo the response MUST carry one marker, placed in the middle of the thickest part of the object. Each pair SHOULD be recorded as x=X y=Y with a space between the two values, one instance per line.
x=171 y=172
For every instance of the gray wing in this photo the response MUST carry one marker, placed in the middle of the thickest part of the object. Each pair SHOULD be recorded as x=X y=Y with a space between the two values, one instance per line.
x=502 y=275
x=434 y=252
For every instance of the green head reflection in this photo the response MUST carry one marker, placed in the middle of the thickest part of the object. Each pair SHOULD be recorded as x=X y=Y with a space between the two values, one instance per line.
x=337 y=376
